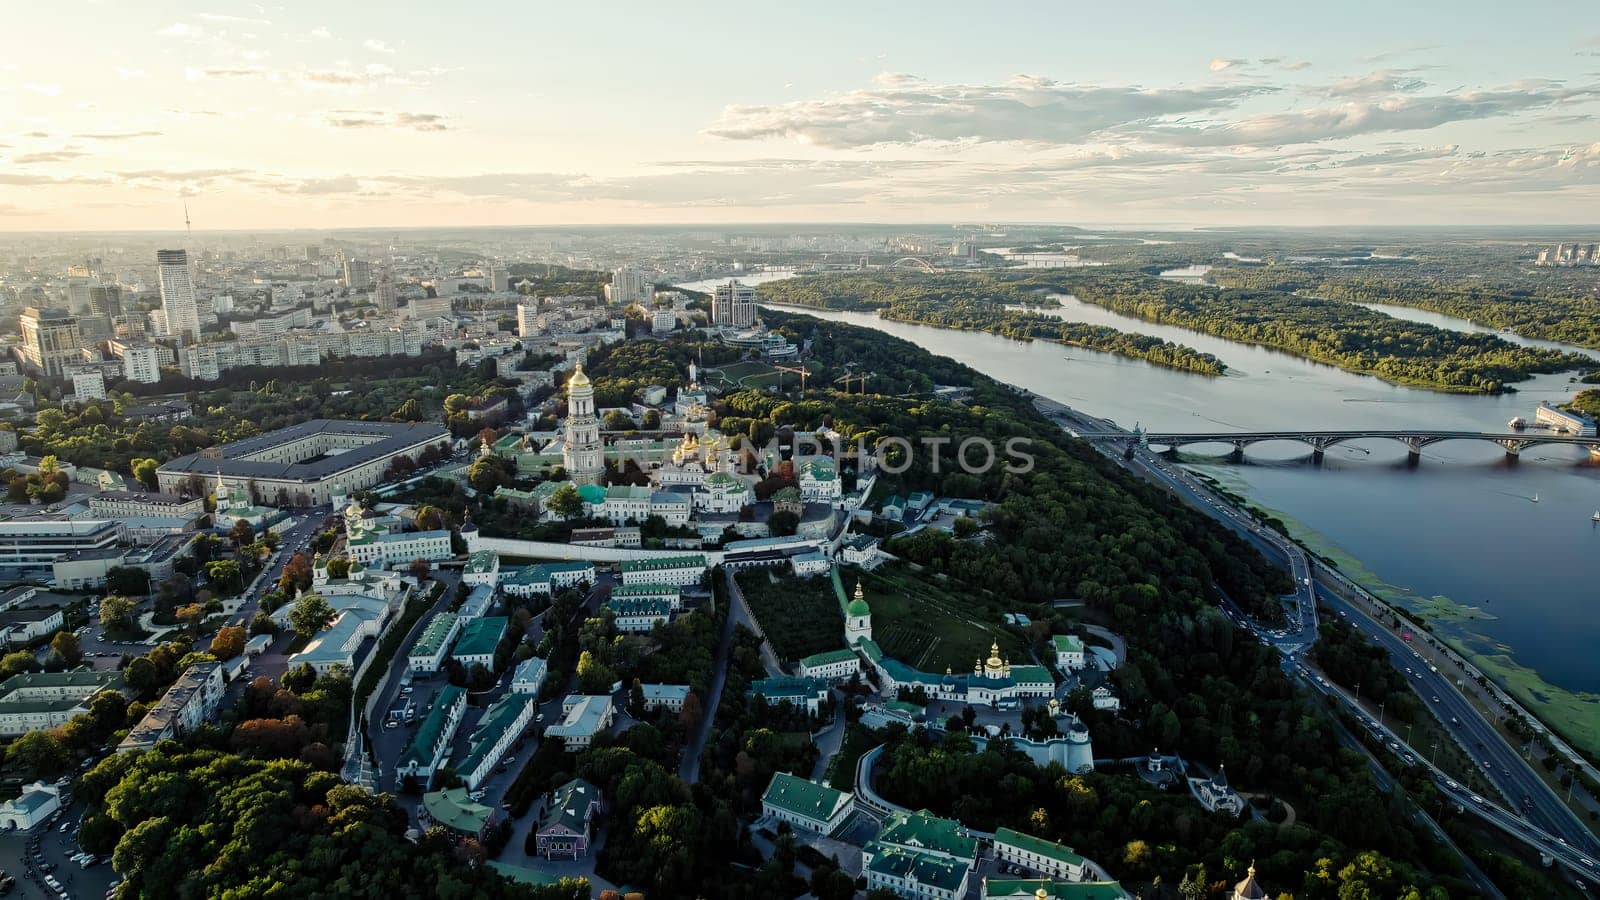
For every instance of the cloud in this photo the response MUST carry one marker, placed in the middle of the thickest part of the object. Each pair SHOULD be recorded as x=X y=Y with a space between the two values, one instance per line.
x=47 y=156
x=371 y=118
x=221 y=19
x=906 y=109
x=377 y=46
x=1222 y=64
x=183 y=30
x=116 y=135
x=48 y=90
x=1382 y=81
x=227 y=72
x=131 y=74
x=1370 y=116
x=321 y=33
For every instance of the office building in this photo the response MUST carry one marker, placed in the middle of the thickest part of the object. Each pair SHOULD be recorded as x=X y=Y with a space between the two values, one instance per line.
x=629 y=286
x=50 y=341
x=305 y=464
x=89 y=386
x=180 y=306
x=733 y=304
x=142 y=363
x=357 y=274
x=385 y=294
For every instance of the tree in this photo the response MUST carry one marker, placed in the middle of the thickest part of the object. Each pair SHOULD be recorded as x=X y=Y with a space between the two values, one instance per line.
x=141 y=676
x=311 y=614
x=117 y=614
x=594 y=677
x=296 y=573
x=127 y=580
x=299 y=679
x=242 y=532
x=226 y=574
x=228 y=643
x=40 y=752
x=16 y=662
x=65 y=646
x=145 y=471
x=419 y=569
x=565 y=502
x=17 y=489
x=339 y=567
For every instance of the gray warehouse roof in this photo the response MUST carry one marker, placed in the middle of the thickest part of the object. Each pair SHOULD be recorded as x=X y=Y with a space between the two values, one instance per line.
x=389 y=438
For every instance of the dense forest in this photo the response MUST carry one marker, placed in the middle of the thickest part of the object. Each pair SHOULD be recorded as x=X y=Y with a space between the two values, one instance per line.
x=1538 y=312
x=971 y=302
x=1330 y=331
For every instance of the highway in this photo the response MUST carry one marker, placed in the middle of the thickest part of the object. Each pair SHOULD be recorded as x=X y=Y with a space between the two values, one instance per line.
x=1549 y=827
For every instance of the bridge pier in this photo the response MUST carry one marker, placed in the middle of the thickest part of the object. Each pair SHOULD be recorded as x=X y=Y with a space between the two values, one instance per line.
x=1238 y=452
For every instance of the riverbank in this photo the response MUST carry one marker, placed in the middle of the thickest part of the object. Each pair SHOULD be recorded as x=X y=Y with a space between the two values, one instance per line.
x=1574 y=715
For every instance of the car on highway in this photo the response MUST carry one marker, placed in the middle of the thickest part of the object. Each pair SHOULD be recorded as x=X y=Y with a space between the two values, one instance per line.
x=1436 y=698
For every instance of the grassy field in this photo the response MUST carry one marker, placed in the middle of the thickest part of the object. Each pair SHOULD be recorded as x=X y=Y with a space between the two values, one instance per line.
x=926 y=624
x=799 y=615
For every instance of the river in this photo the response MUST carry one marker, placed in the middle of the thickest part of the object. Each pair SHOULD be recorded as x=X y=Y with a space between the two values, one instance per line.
x=1511 y=581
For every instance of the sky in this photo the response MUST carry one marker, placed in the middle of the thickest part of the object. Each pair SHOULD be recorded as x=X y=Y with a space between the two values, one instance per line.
x=114 y=114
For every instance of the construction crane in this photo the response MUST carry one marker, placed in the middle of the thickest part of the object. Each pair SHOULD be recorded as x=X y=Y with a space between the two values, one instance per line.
x=849 y=378
x=802 y=371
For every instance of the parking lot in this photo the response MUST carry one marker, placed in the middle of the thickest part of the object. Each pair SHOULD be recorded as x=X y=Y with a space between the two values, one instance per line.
x=44 y=855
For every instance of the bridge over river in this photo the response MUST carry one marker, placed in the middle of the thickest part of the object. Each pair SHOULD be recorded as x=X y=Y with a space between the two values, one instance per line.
x=1319 y=441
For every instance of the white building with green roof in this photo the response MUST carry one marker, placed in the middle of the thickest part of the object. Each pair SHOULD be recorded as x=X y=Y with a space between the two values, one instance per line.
x=1046 y=889
x=502 y=724
x=636 y=615
x=833 y=665
x=433 y=644
x=479 y=640
x=925 y=832
x=429 y=746
x=685 y=571
x=819 y=480
x=482 y=569
x=806 y=804
x=915 y=875
x=1070 y=655
x=670 y=594
x=1038 y=854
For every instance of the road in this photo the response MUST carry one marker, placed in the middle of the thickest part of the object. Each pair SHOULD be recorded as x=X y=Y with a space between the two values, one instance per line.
x=1499 y=762
x=1566 y=840
x=689 y=768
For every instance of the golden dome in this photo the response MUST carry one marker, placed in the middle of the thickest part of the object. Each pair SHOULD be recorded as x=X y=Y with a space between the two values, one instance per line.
x=994 y=661
x=578 y=379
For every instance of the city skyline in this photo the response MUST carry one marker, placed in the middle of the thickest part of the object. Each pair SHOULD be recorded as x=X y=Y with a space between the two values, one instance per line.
x=295 y=115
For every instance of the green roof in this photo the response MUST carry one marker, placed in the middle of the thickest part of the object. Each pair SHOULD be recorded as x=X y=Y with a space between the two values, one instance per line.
x=639 y=606
x=482 y=562
x=627 y=492
x=922 y=830
x=480 y=636
x=796 y=795
x=1031 y=675
x=1068 y=643
x=1028 y=889
x=926 y=868
x=625 y=591
x=870 y=647
x=496 y=719
x=828 y=658
x=592 y=493
x=434 y=636
x=657 y=563
x=419 y=750
x=903 y=706
x=1038 y=845
x=569 y=807
x=455 y=810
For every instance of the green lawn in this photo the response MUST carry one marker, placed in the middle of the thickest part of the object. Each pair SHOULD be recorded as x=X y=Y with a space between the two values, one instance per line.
x=933 y=626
